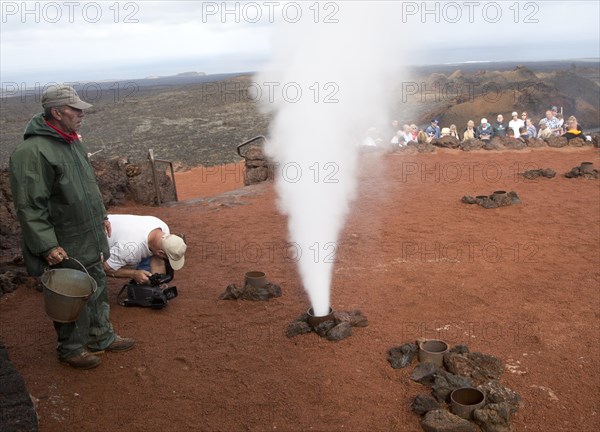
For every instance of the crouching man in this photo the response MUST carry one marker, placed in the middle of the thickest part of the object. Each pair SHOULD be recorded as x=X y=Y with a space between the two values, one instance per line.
x=141 y=246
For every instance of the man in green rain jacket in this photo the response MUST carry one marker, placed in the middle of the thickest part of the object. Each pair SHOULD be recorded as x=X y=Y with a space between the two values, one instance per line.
x=62 y=215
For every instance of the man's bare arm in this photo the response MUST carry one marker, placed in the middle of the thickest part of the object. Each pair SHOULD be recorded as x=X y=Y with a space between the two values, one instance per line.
x=140 y=276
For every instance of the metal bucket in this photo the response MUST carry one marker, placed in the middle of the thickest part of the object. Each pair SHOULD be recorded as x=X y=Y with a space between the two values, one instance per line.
x=66 y=292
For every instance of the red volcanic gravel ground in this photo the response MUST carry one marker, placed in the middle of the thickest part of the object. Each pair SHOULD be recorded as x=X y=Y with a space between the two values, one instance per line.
x=518 y=282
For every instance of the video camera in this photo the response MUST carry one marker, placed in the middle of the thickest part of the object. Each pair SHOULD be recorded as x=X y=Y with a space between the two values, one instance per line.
x=156 y=295
x=158 y=279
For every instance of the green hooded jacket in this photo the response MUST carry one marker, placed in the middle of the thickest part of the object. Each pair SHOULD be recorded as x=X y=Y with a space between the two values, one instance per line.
x=56 y=197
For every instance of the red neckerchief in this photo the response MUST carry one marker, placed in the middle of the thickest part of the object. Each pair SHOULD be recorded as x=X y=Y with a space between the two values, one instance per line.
x=67 y=137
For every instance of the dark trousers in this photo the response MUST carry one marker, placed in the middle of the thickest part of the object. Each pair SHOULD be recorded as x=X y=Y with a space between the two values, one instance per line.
x=93 y=329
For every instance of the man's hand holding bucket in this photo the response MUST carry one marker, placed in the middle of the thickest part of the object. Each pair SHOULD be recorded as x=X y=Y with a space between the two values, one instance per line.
x=56 y=256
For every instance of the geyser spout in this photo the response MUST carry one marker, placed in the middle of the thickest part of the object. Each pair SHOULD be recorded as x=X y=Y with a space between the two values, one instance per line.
x=314 y=320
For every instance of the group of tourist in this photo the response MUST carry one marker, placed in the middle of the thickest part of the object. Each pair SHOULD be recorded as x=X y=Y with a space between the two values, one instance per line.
x=519 y=127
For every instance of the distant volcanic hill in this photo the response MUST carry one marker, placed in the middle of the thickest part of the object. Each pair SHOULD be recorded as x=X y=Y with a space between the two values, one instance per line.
x=460 y=96
x=190 y=74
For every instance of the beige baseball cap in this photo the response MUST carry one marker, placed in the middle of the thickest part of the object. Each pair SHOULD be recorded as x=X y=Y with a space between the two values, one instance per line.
x=175 y=248
x=61 y=95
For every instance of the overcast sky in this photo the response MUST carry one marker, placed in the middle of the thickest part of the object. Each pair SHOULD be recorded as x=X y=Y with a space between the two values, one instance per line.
x=76 y=41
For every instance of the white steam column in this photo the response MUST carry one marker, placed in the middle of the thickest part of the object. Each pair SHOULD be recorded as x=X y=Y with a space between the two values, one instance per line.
x=326 y=84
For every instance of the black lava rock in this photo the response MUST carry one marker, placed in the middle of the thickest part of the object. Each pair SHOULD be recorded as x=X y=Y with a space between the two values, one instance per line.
x=424 y=373
x=446 y=142
x=493 y=418
x=335 y=329
x=514 y=144
x=471 y=144
x=446 y=382
x=303 y=317
x=444 y=421
x=250 y=292
x=459 y=349
x=475 y=365
x=16 y=408
x=533 y=174
x=557 y=142
x=401 y=356
x=424 y=403
x=514 y=198
x=578 y=172
x=232 y=292
x=339 y=332
x=487 y=203
x=296 y=328
x=357 y=319
x=322 y=328
x=265 y=293
x=497 y=393
x=493 y=145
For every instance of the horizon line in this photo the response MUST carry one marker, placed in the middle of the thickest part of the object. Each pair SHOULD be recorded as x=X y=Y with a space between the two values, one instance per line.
x=204 y=74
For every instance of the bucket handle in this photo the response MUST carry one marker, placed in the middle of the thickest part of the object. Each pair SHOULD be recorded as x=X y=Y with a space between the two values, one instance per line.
x=84 y=269
x=79 y=262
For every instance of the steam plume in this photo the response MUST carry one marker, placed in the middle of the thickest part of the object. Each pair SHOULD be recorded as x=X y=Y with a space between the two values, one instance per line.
x=342 y=72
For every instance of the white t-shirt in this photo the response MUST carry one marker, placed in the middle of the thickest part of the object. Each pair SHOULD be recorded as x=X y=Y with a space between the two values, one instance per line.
x=128 y=241
x=516 y=125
